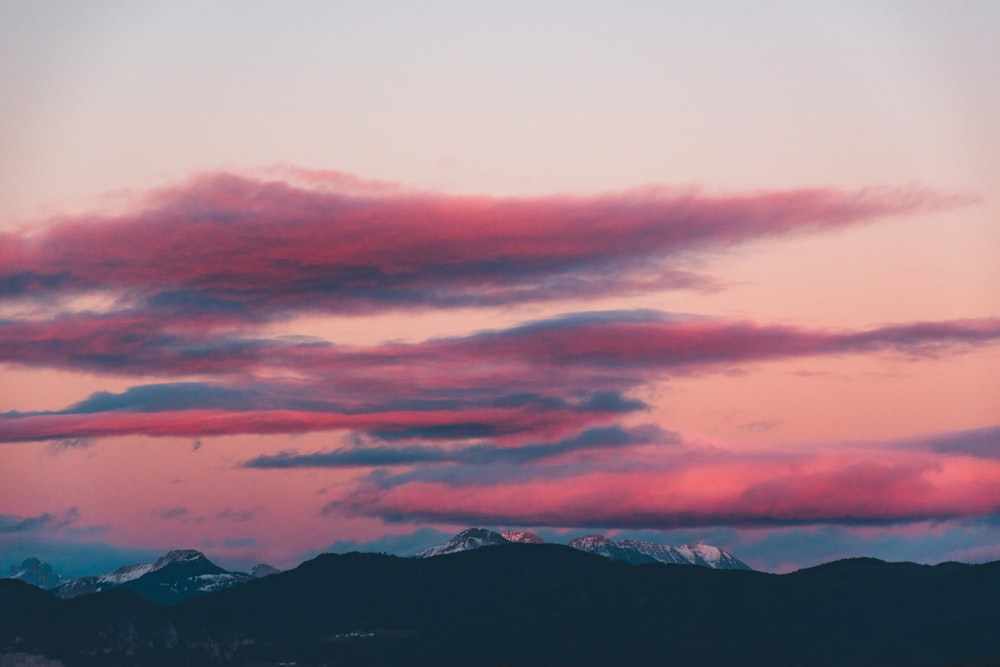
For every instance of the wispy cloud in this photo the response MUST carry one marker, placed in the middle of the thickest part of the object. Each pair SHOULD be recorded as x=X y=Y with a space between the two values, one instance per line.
x=59 y=446
x=44 y=521
x=687 y=486
x=240 y=516
x=531 y=425
x=978 y=442
x=173 y=513
x=239 y=248
x=549 y=378
x=477 y=454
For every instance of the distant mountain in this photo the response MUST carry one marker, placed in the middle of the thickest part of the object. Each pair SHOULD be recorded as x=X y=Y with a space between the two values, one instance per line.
x=36 y=573
x=634 y=552
x=476 y=538
x=472 y=538
x=522 y=537
x=183 y=575
x=180 y=575
x=602 y=546
x=529 y=605
x=94 y=583
x=637 y=552
x=263 y=570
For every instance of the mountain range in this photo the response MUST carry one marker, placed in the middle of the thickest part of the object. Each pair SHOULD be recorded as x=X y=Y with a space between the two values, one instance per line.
x=178 y=576
x=525 y=604
x=184 y=574
x=634 y=552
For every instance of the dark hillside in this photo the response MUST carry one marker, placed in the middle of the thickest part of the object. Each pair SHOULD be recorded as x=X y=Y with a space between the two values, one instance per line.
x=526 y=604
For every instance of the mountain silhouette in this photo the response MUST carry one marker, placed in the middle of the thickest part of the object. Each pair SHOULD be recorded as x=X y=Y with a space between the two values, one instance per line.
x=530 y=604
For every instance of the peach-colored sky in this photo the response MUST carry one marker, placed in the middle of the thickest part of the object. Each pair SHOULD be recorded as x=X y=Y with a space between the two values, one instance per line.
x=349 y=271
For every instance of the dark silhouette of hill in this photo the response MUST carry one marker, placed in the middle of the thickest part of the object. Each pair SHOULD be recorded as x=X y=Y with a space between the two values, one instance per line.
x=528 y=604
x=20 y=602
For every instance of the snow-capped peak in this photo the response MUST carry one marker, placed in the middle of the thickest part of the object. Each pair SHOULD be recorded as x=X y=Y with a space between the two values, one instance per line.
x=179 y=556
x=637 y=551
x=472 y=538
x=522 y=537
x=125 y=573
x=631 y=551
x=263 y=570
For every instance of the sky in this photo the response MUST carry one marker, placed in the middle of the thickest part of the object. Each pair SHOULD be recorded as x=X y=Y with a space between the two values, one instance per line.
x=277 y=280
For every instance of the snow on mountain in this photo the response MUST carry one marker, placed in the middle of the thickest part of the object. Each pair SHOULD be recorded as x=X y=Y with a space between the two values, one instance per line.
x=637 y=551
x=179 y=575
x=522 y=537
x=125 y=573
x=602 y=546
x=661 y=553
x=263 y=570
x=96 y=583
x=180 y=556
x=472 y=538
x=595 y=544
x=207 y=583
x=714 y=557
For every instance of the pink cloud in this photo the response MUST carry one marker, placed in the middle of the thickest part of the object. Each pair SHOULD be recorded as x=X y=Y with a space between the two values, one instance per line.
x=195 y=423
x=594 y=343
x=244 y=249
x=550 y=377
x=834 y=487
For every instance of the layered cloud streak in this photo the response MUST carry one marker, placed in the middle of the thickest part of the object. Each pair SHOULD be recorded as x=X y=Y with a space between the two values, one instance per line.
x=235 y=248
x=553 y=376
x=539 y=424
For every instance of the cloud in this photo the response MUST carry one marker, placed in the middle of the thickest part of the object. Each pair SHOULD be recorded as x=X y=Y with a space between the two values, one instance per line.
x=240 y=516
x=615 y=339
x=690 y=487
x=172 y=513
x=129 y=342
x=544 y=379
x=791 y=548
x=243 y=249
x=530 y=425
x=760 y=425
x=478 y=454
x=166 y=397
x=202 y=423
x=46 y=521
x=978 y=442
x=11 y=524
x=70 y=443
x=595 y=342
x=239 y=542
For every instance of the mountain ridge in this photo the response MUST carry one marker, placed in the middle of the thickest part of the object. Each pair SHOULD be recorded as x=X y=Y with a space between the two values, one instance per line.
x=635 y=552
x=178 y=575
x=563 y=605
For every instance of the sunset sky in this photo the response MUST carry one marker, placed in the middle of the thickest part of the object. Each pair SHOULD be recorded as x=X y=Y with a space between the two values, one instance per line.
x=281 y=279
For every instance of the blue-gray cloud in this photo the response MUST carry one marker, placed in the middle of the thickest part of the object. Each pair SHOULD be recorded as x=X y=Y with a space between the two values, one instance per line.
x=239 y=542
x=10 y=523
x=981 y=443
x=240 y=516
x=477 y=454
x=172 y=513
